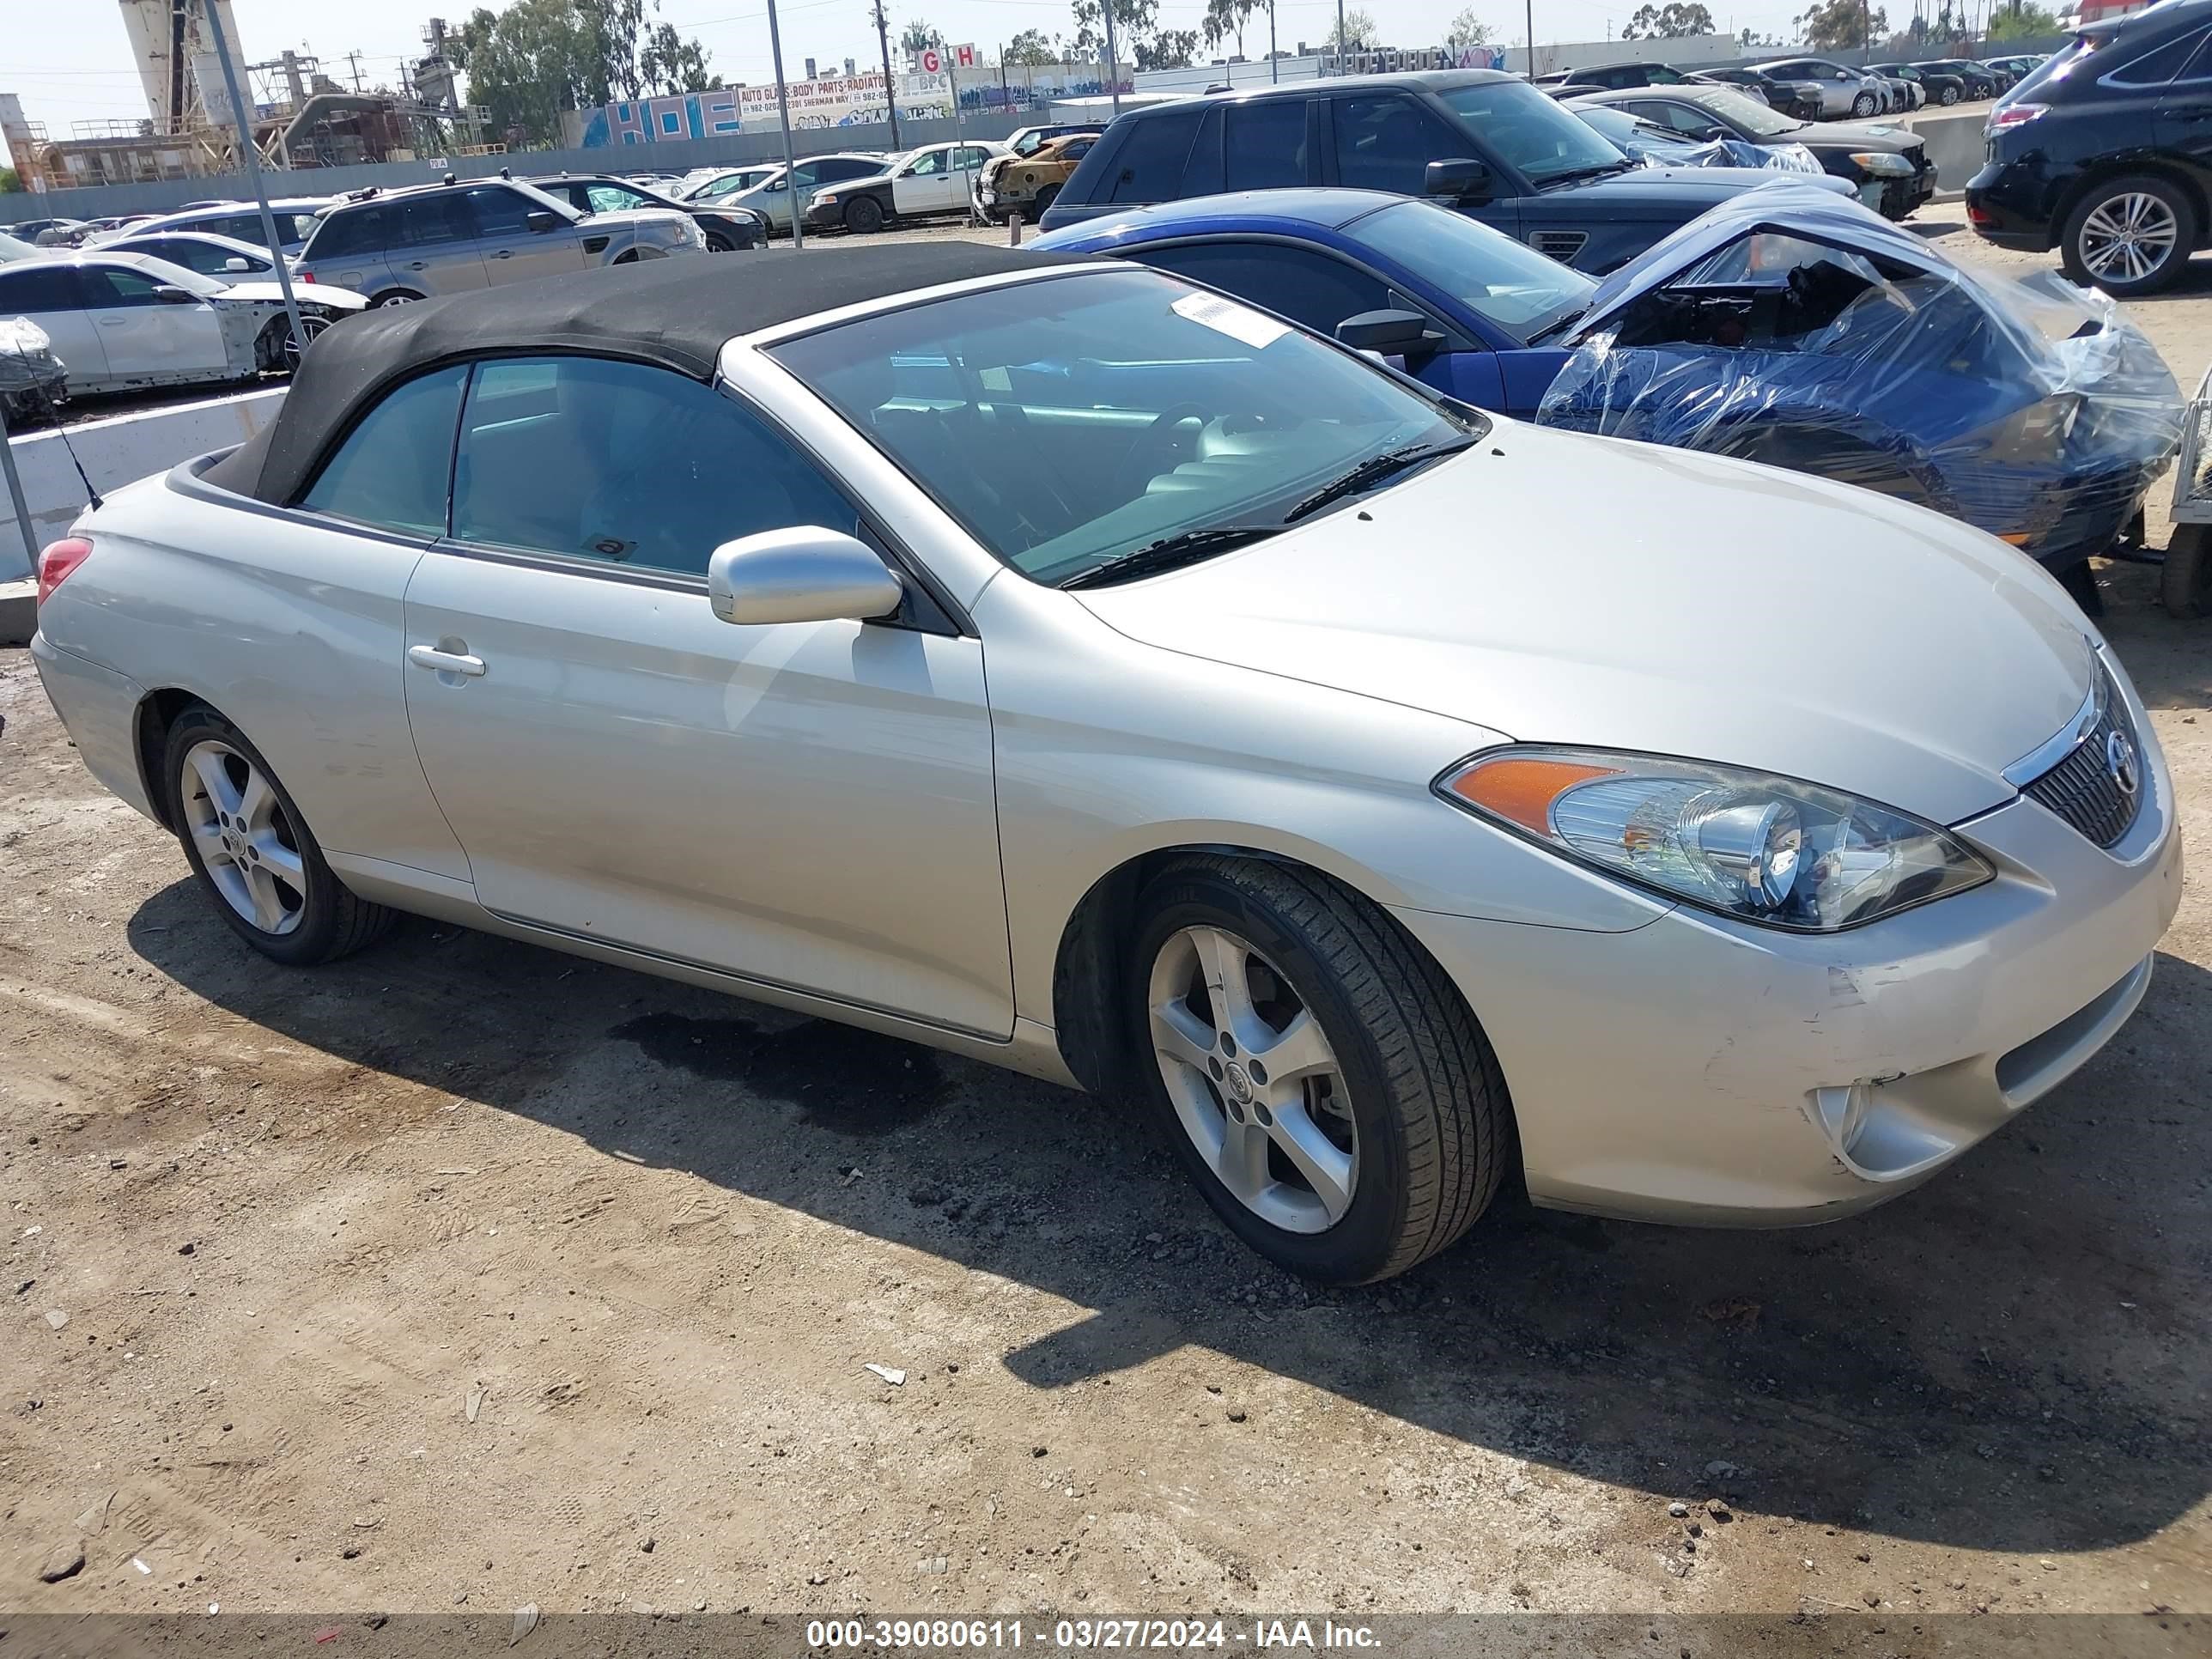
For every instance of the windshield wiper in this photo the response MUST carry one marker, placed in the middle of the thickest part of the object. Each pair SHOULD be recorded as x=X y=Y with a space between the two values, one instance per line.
x=1573 y=174
x=1372 y=471
x=1188 y=548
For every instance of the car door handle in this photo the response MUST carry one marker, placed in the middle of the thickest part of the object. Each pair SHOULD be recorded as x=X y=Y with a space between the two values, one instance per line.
x=112 y=322
x=504 y=253
x=446 y=662
x=419 y=264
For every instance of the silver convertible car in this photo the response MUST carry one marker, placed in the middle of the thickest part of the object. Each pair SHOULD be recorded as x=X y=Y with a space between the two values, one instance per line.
x=1070 y=667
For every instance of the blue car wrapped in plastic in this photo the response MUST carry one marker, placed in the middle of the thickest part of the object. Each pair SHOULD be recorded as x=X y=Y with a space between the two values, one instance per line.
x=1792 y=327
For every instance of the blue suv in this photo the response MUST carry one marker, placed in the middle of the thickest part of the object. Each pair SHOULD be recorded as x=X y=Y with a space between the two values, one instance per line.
x=1489 y=144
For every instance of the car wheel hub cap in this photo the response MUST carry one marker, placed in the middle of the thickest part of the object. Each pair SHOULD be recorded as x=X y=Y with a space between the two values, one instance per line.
x=243 y=837
x=2129 y=237
x=1254 y=1080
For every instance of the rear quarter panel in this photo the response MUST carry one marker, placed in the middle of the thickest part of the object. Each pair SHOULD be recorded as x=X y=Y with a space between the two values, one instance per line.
x=288 y=627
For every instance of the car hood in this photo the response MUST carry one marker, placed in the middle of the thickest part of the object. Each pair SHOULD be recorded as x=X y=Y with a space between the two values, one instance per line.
x=1559 y=588
x=1859 y=135
x=318 y=293
x=634 y=218
x=1661 y=193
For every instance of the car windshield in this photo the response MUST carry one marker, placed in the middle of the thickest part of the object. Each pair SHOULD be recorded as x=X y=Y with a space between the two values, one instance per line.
x=1071 y=420
x=1622 y=128
x=1536 y=138
x=1500 y=280
x=1747 y=113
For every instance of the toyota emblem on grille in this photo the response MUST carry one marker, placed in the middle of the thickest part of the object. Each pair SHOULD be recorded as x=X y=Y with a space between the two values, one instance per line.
x=2120 y=763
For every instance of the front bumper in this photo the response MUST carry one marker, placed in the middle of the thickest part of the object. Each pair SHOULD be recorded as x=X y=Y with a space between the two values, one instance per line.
x=1697 y=1070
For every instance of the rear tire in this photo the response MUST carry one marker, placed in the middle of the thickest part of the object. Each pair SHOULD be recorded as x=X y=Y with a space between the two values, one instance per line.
x=2184 y=581
x=1387 y=1140
x=1042 y=205
x=2129 y=235
x=1949 y=96
x=252 y=852
x=394 y=296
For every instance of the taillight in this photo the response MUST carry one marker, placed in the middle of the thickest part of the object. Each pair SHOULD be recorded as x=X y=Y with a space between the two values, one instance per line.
x=305 y=275
x=2014 y=115
x=56 y=564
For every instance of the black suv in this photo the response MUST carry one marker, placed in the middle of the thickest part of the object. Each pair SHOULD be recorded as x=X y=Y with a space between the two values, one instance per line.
x=1614 y=76
x=2107 y=151
x=1489 y=144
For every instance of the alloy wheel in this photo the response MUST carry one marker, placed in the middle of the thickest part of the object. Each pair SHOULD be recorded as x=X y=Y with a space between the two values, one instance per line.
x=309 y=328
x=243 y=837
x=1254 y=1080
x=2129 y=237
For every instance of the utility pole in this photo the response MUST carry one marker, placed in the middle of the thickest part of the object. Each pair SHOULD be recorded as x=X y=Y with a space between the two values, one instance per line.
x=1275 y=64
x=1529 y=6
x=891 y=87
x=1340 y=36
x=354 y=58
x=244 y=120
x=1112 y=62
x=790 y=157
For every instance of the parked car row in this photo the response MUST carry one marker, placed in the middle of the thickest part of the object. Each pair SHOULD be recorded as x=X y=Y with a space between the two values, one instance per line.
x=1488 y=143
x=1348 y=756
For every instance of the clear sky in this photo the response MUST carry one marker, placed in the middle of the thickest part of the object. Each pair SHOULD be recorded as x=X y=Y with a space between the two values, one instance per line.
x=73 y=65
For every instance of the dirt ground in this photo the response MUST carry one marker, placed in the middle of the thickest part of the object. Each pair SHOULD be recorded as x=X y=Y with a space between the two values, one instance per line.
x=463 y=1275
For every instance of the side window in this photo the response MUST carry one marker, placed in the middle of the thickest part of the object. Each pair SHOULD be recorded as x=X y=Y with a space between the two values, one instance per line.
x=1149 y=166
x=2161 y=64
x=1076 y=148
x=974 y=158
x=1381 y=143
x=428 y=220
x=499 y=212
x=107 y=287
x=928 y=165
x=1308 y=287
x=614 y=461
x=1202 y=176
x=391 y=471
x=850 y=166
x=361 y=230
x=49 y=289
x=1264 y=143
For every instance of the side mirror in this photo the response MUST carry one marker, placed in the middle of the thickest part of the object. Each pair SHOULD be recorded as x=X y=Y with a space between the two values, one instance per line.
x=1389 y=333
x=541 y=220
x=1462 y=181
x=169 y=294
x=801 y=575
x=235 y=265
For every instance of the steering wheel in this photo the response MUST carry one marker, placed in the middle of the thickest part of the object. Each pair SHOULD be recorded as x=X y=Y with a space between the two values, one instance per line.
x=1155 y=449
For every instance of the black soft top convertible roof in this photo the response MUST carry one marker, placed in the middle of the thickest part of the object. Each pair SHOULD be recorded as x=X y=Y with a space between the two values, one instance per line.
x=677 y=312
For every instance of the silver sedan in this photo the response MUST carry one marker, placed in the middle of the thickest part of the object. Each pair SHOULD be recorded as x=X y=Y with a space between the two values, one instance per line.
x=1073 y=669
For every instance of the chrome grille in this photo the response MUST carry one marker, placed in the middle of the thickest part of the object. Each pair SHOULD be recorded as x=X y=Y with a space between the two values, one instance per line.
x=2085 y=787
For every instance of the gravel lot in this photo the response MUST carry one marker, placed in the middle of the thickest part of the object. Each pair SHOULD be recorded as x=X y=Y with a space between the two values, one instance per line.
x=462 y=1276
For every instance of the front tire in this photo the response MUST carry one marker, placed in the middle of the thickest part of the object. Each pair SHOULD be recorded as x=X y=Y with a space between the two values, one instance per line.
x=864 y=215
x=394 y=296
x=253 y=852
x=1863 y=106
x=2129 y=235
x=2185 y=580
x=1315 y=1071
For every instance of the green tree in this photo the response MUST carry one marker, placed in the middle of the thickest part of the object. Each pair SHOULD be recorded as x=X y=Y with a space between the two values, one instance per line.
x=919 y=35
x=1357 y=34
x=1466 y=30
x=1138 y=41
x=1225 y=18
x=10 y=183
x=2022 y=22
x=1833 y=25
x=1671 y=22
x=1031 y=48
x=539 y=57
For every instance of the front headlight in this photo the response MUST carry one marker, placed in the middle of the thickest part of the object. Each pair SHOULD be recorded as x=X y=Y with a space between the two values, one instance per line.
x=1764 y=850
x=827 y=198
x=1882 y=164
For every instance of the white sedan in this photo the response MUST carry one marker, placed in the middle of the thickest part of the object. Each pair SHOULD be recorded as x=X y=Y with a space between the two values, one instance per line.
x=121 y=322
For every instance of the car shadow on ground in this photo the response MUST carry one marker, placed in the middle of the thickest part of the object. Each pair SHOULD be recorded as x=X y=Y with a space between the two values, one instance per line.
x=2011 y=1357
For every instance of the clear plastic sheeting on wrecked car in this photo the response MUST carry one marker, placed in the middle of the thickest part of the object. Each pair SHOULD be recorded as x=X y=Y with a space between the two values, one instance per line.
x=1791 y=327
x=27 y=360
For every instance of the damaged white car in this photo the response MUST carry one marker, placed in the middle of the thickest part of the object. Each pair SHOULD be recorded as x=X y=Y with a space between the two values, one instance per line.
x=122 y=321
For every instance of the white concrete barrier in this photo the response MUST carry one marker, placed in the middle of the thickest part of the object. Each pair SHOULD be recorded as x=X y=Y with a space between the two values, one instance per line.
x=1955 y=145
x=114 y=452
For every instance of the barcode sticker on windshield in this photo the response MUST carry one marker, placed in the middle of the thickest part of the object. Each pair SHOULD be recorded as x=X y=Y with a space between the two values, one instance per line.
x=1240 y=322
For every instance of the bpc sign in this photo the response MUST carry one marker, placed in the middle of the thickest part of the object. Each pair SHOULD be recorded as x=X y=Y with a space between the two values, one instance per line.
x=936 y=60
